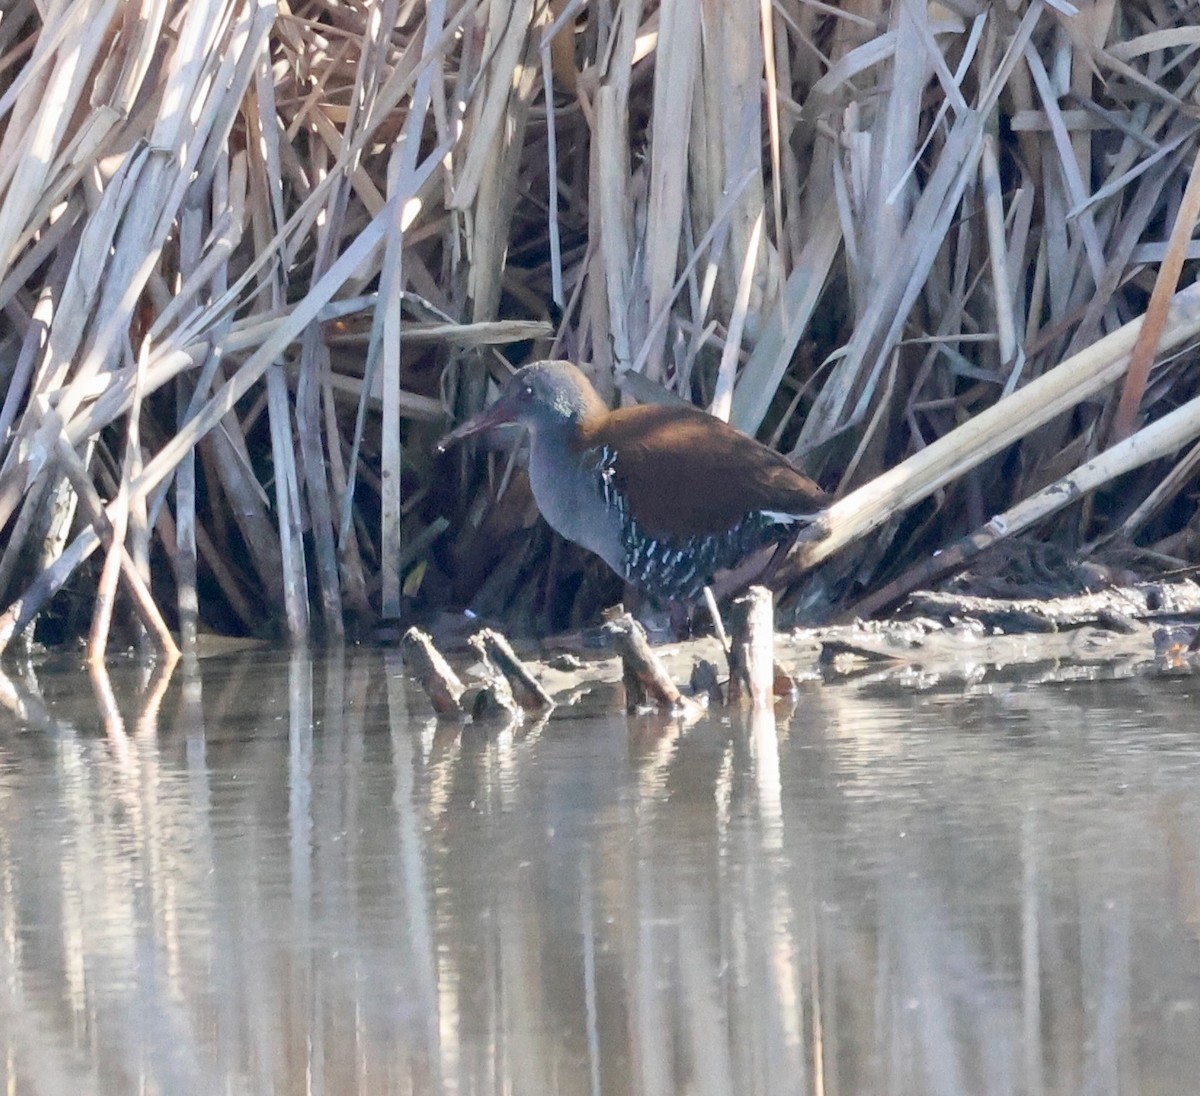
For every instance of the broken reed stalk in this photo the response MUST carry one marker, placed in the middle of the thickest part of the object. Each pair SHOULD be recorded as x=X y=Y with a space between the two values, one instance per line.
x=1143 y=353
x=1143 y=602
x=1013 y=418
x=646 y=679
x=428 y=665
x=526 y=689
x=752 y=650
x=1159 y=439
x=136 y=586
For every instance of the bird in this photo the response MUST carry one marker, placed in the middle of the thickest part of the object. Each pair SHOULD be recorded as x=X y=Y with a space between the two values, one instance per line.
x=670 y=497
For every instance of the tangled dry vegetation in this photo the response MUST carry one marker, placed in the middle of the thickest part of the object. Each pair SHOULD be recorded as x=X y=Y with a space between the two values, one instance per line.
x=252 y=255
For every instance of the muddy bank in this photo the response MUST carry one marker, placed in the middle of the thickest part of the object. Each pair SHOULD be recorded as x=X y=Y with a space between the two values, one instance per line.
x=941 y=638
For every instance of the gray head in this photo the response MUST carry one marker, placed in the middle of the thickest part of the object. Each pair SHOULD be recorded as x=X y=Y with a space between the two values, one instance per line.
x=543 y=396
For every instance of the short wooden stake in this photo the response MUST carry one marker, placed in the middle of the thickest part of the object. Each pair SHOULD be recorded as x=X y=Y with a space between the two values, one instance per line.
x=527 y=691
x=441 y=684
x=646 y=678
x=752 y=647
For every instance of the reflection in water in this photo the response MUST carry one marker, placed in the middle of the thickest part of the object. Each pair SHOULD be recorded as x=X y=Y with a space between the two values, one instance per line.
x=271 y=876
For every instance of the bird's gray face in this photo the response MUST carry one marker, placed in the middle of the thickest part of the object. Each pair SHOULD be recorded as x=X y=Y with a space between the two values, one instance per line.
x=541 y=396
x=544 y=394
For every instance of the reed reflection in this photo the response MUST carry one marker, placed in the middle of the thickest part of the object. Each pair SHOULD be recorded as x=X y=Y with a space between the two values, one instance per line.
x=288 y=879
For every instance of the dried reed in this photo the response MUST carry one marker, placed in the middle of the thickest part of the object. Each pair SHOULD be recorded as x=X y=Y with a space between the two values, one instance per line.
x=251 y=254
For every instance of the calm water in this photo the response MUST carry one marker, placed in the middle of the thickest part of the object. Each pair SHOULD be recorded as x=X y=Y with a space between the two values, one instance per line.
x=281 y=877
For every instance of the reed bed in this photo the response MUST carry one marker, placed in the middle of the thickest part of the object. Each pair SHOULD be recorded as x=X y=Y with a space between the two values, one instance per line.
x=254 y=255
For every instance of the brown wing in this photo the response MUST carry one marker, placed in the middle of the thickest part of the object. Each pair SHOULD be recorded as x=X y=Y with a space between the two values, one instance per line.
x=686 y=472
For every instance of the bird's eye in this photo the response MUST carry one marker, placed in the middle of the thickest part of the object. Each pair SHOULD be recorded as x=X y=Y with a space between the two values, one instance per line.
x=527 y=391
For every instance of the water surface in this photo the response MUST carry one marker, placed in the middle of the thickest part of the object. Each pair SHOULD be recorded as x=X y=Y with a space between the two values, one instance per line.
x=278 y=875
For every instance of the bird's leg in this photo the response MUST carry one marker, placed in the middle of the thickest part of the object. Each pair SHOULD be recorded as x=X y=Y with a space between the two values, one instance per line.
x=782 y=551
x=679 y=616
x=751 y=569
x=719 y=626
x=710 y=600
